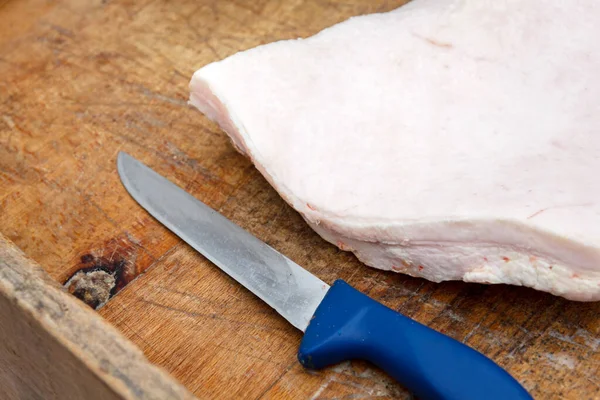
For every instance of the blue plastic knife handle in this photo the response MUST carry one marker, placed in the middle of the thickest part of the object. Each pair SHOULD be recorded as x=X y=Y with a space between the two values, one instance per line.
x=350 y=325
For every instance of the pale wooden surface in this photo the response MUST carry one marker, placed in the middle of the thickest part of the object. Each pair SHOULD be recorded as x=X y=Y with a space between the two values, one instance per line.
x=54 y=347
x=85 y=79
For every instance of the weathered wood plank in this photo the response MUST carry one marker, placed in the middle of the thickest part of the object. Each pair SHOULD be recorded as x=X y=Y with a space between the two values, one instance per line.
x=54 y=347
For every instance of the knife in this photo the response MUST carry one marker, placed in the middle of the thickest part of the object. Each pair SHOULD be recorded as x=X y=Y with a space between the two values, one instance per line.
x=339 y=322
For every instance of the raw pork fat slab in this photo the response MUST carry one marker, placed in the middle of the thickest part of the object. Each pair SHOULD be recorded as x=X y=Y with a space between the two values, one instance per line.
x=449 y=140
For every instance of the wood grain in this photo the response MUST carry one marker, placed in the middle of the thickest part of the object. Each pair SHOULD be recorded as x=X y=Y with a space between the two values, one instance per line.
x=85 y=79
x=53 y=347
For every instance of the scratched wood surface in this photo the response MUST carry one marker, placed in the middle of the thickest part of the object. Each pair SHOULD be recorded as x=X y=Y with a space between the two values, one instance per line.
x=81 y=80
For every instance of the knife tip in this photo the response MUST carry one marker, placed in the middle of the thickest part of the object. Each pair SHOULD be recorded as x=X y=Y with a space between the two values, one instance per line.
x=122 y=159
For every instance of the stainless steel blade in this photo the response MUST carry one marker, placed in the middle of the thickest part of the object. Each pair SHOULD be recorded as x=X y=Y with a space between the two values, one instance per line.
x=291 y=290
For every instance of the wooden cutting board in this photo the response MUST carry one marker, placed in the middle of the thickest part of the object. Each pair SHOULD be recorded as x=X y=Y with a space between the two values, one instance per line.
x=81 y=80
